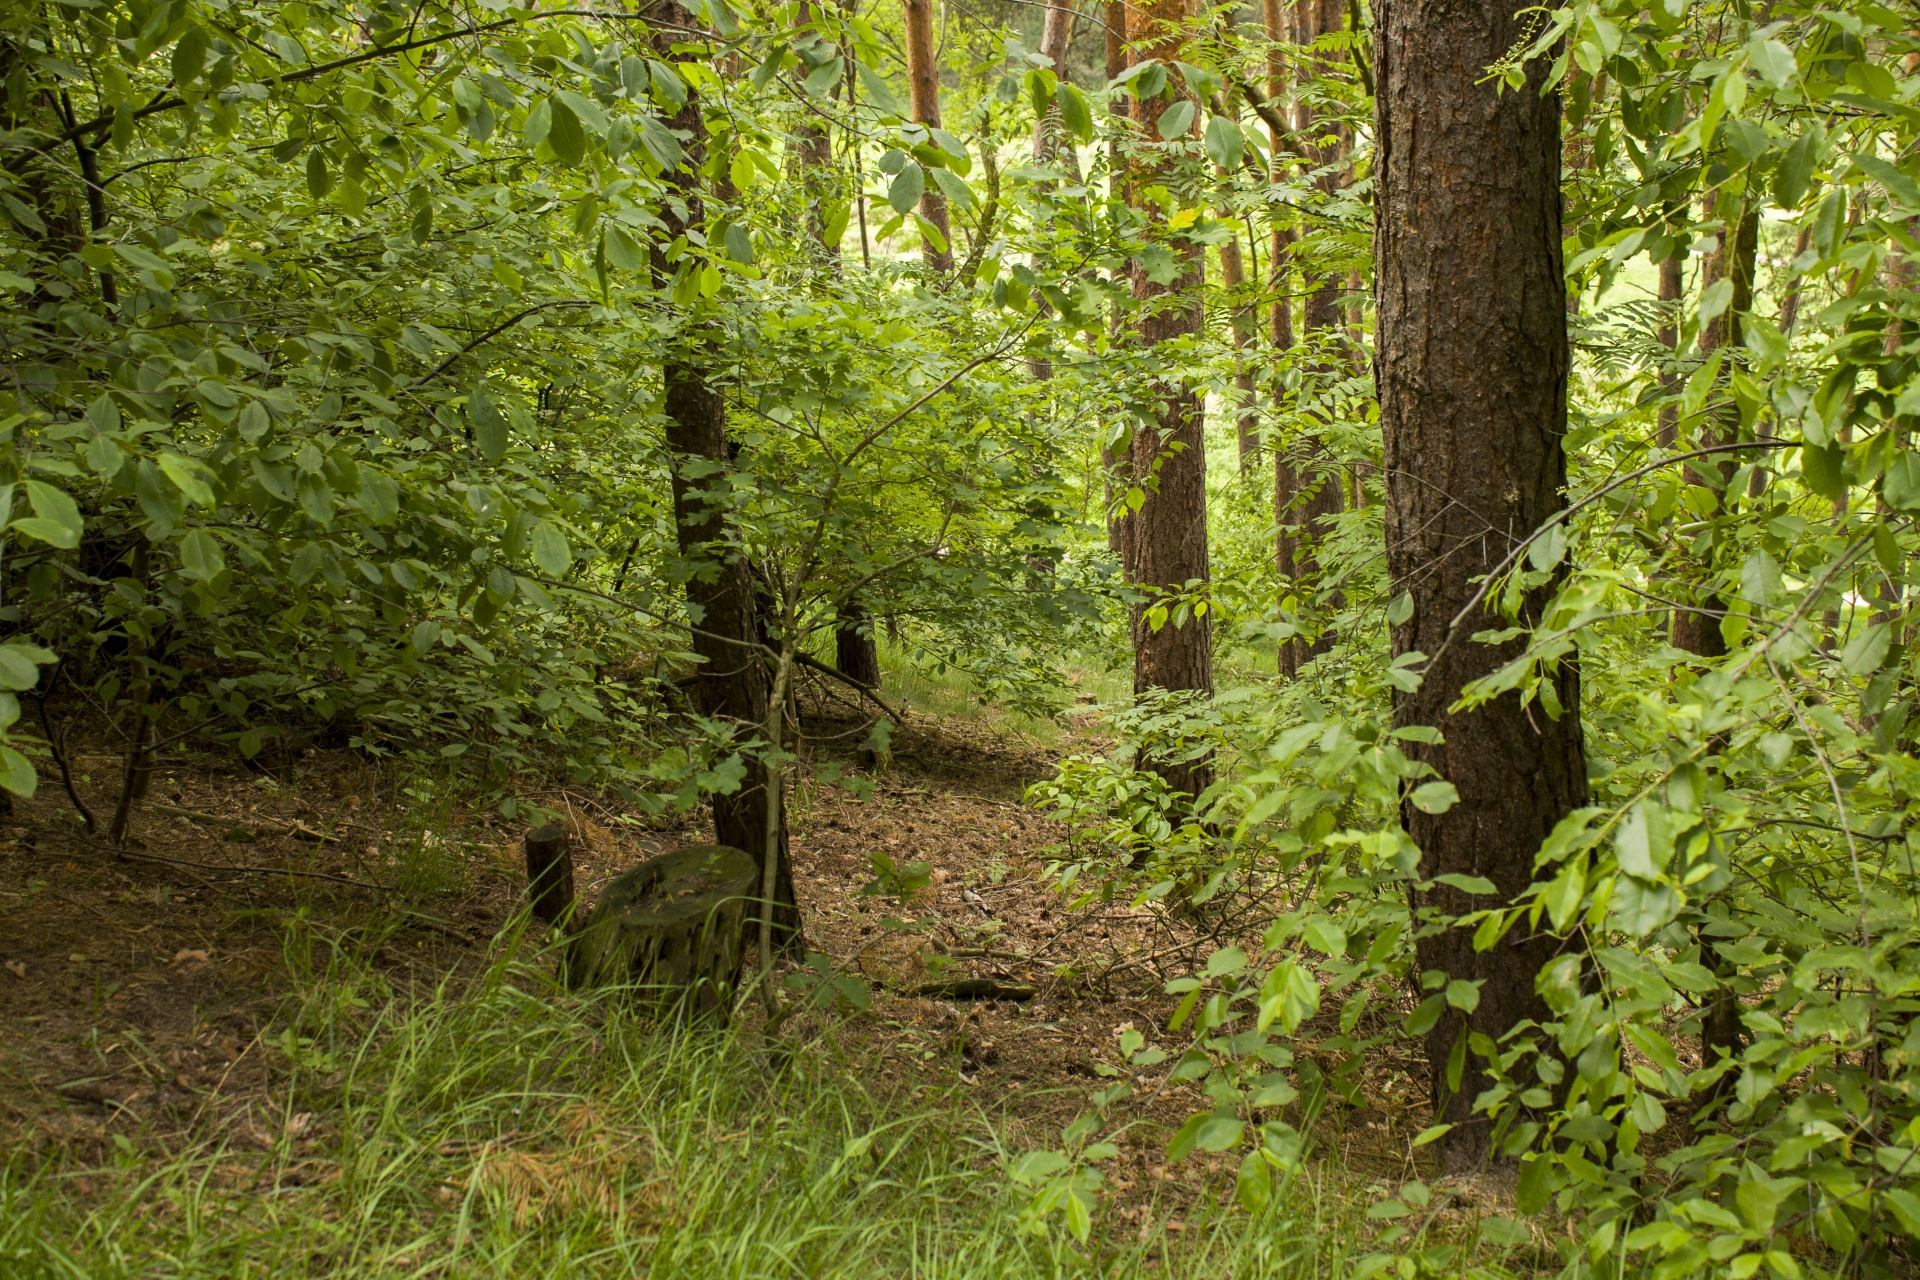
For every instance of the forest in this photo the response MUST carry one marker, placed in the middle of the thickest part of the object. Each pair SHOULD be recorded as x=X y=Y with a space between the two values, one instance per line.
x=841 y=638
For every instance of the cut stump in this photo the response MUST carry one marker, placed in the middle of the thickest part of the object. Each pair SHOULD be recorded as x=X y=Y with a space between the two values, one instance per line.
x=673 y=929
x=549 y=872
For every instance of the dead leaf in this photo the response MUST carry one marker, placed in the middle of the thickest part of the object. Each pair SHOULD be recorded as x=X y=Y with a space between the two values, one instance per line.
x=298 y=1124
x=184 y=956
x=17 y=968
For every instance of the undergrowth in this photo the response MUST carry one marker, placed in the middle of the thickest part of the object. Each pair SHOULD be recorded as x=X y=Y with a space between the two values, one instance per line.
x=493 y=1126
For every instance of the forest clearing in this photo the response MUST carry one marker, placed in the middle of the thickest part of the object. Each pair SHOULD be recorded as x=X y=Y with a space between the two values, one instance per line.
x=1059 y=637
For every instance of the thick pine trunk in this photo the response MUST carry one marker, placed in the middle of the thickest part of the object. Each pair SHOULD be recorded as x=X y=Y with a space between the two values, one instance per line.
x=1472 y=365
x=1167 y=537
x=731 y=684
x=923 y=88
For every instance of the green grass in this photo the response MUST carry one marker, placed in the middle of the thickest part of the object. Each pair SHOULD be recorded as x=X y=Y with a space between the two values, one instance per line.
x=497 y=1128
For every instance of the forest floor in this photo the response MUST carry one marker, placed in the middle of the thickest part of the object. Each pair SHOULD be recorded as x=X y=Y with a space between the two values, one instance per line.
x=145 y=1003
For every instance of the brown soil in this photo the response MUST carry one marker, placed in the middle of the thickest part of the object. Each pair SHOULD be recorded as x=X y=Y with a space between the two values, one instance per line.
x=135 y=994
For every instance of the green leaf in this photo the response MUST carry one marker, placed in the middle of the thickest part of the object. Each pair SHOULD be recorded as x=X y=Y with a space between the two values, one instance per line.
x=1534 y=1187
x=1643 y=844
x=188 y=477
x=201 y=557
x=566 y=137
x=1075 y=113
x=1796 y=166
x=1822 y=468
x=1463 y=995
x=1176 y=120
x=1430 y=1133
x=1226 y=960
x=1773 y=60
x=739 y=244
x=879 y=92
x=56 y=517
x=550 y=549
x=1324 y=935
x=1548 y=548
x=1640 y=906
x=1435 y=797
x=955 y=187
x=904 y=192
x=1224 y=142
x=19 y=665
x=319 y=177
x=1400 y=610
x=17 y=773
x=489 y=424
x=190 y=55
x=1898 y=184
x=1867 y=652
x=1901 y=484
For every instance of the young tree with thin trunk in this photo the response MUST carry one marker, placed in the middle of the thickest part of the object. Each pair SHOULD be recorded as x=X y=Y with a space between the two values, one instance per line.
x=923 y=91
x=1472 y=360
x=732 y=683
x=813 y=157
x=1244 y=322
x=1167 y=538
x=1049 y=130
x=1316 y=494
x=1286 y=481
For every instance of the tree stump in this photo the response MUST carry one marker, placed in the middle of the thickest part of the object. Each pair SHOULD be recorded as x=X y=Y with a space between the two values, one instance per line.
x=549 y=873
x=673 y=928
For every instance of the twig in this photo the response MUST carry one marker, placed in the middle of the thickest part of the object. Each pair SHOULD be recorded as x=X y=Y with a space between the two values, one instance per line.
x=299 y=828
x=130 y=855
x=57 y=746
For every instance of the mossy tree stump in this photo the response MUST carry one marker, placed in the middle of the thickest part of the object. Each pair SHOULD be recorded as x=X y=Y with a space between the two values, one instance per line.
x=673 y=929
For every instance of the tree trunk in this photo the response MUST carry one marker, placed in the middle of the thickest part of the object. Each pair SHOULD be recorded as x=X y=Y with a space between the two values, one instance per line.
x=1316 y=481
x=1049 y=131
x=1116 y=465
x=1245 y=323
x=923 y=88
x=813 y=155
x=1168 y=535
x=1285 y=482
x=1668 y=335
x=854 y=653
x=1473 y=364
x=1697 y=630
x=731 y=685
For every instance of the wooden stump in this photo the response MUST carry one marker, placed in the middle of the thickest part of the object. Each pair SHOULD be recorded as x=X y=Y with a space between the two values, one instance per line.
x=673 y=928
x=549 y=873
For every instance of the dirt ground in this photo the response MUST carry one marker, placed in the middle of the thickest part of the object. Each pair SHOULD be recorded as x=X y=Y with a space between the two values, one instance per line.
x=135 y=994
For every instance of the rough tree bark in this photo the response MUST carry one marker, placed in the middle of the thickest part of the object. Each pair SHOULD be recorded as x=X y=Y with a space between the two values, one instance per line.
x=731 y=684
x=854 y=652
x=1167 y=539
x=923 y=88
x=1472 y=363
x=1245 y=324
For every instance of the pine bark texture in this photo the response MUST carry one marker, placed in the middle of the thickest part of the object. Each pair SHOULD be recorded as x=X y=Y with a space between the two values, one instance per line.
x=731 y=684
x=923 y=90
x=1167 y=538
x=1472 y=367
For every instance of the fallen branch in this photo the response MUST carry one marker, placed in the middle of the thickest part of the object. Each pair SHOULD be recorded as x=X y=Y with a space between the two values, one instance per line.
x=814 y=664
x=298 y=828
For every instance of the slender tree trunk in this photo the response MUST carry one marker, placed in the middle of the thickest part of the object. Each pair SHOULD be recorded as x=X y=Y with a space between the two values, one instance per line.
x=813 y=154
x=1790 y=304
x=923 y=88
x=1285 y=481
x=1168 y=538
x=1697 y=630
x=731 y=685
x=1245 y=324
x=1316 y=491
x=1669 y=337
x=1118 y=466
x=1473 y=365
x=1049 y=132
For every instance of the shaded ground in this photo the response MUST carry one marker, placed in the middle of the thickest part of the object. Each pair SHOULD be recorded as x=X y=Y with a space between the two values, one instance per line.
x=140 y=998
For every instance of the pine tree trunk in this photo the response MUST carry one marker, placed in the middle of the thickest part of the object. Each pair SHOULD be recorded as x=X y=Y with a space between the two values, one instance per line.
x=1116 y=465
x=731 y=684
x=1168 y=535
x=923 y=88
x=1473 y=367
